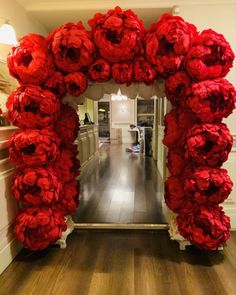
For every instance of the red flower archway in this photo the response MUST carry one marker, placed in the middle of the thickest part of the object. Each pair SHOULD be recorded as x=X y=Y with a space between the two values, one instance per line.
x=118 y=47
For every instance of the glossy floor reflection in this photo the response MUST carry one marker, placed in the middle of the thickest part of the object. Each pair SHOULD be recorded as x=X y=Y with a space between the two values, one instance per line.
x=120 y=187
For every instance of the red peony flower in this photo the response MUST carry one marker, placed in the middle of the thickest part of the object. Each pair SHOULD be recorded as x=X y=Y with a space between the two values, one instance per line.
x=67 y=125
x=207 y=227
x=122 y=72
x=143 y=71
x=211 y=100
x=56 y=84
x=72 y=47
x=175 y=197
x=117 y=34
x=167 y=42
x=30 y=62
x=208 y=144
x=36 y=186
x=208 y=185
x=176 y=86
x=38 y=227
x=67 y=166
x=76 y=83
x=32 y=107
x=176 y=161
x=100 y=70
x=33 y=147
x=177 y=121
x=209 y=57
x=69 y=200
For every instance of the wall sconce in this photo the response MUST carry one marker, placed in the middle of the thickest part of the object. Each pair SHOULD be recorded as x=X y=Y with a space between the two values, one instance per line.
x=7 y=33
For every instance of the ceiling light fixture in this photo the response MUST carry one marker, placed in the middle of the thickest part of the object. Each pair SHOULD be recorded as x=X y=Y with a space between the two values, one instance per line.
x=118 y=96
x=7 y=34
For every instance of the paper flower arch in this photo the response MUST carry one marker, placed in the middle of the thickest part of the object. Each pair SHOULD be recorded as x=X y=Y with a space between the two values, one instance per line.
x=118 y=47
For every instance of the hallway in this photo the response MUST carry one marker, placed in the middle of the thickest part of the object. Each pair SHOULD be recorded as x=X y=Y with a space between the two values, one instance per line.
x=120 y=187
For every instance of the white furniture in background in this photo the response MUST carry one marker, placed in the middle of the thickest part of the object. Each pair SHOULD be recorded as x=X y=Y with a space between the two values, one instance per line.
x=87 y=143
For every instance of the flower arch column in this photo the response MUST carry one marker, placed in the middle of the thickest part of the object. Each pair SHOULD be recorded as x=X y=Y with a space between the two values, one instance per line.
x=119 y=48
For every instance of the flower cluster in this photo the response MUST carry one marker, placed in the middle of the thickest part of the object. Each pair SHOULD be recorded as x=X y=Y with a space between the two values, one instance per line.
x=31 y=106
x=210 y=100
x=67 y=125
x=208 y=144
x=30 y=62
x=198 y=142
x=56 y=84
x=176 y=86
x=209 y=57
x=207 y=227
x=33 y=147
x=39 y=227
x=100 y=70
x=36 y=186
x=72 y=47
x=117 y=34
x=122 y=72
x=208 y=185
x=175 y=127
x=167 y=42
x=143 y=71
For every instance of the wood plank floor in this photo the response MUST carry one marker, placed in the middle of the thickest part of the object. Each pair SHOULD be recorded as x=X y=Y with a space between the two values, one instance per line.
x=120 y=187
x=122 y=263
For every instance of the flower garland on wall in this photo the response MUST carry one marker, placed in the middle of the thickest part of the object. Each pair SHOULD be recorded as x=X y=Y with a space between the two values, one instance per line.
x=118 y=47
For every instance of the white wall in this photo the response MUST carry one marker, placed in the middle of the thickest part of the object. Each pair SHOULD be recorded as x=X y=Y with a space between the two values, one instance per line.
x=9 y=248
x=122 y=115
x=18 y=18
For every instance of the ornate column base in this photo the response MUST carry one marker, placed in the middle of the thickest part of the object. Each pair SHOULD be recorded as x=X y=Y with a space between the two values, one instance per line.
x=65 y=234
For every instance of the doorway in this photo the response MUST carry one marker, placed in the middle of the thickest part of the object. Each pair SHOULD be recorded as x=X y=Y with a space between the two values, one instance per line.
x=104 y=121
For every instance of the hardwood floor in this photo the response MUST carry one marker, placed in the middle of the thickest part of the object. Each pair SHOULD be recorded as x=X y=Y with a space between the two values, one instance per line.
x=120 y=187
x=122 y=263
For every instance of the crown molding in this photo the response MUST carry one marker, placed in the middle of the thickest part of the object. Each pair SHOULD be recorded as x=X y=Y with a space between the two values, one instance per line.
x=58 y=5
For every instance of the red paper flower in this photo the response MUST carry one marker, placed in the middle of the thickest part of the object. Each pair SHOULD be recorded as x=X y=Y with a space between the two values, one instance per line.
x=39 y=227
x=211 y=100
x=67 y=166
x=209 y=57
x=177 y=121
x=175 y=197
x=208 y=185
x=122 y=72
x=76 y=83
x=30 y=62
x=208 y=144
x=36 y=186
x=32 y=107
x=176 y=161
x=176 y=86
x=67 y=125
x=207 y=227
x=100 y=70
x=143 y=71
x=72 y=47
x=167 y=42
x=69 y=200
x=33 y=147
x=56 y=84
x=117 y=34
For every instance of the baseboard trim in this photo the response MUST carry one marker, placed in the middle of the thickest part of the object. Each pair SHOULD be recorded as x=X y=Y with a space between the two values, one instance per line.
x=8 y=253
x=125 y=226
